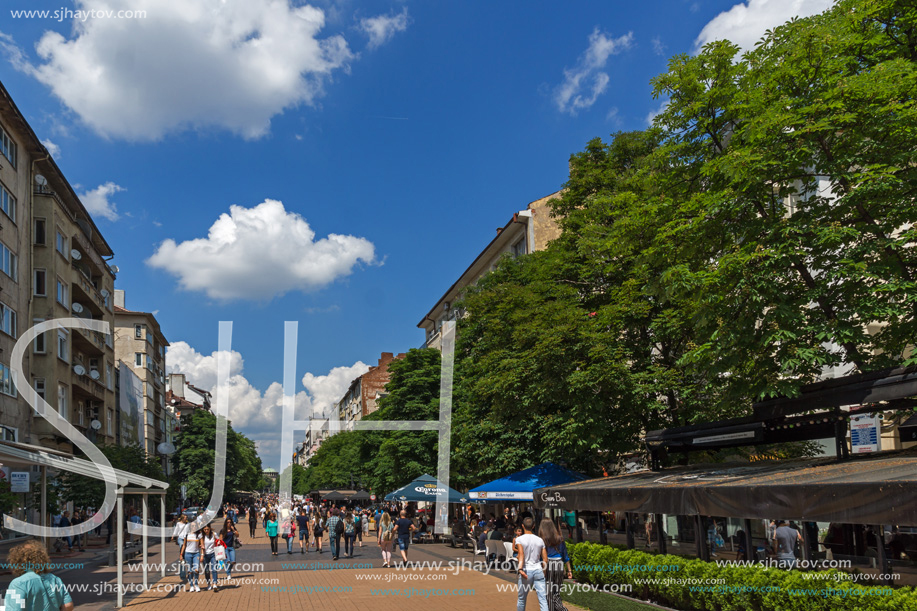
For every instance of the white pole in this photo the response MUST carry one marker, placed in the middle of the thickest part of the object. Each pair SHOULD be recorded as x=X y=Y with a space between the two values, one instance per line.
x=120 y=522
x=144 y=542
x=44 y=500
x=162 y=532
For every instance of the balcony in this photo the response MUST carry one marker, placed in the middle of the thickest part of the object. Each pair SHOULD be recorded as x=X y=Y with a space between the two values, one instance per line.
x=85 y=387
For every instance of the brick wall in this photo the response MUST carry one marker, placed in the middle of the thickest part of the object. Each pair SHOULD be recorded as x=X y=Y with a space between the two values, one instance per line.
x=374 y=381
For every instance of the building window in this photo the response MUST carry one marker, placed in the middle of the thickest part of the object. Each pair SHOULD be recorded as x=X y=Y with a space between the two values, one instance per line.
x=40 y=234
x=62 y=345
x=138 y=359
x=62 y=407
x=519 y=248
x=62 y=243
x=110 y=418
x=8 y=261
x=40 y=289
x=7 y=203
x=62 y=290
x=7 y=147
x=39 y=345
x=7 y=319
x=7 y=387
x=149 y=418
x=40 y=388
x=80 y=414
x=10 y=434
x=138 y=331
x=108 y=377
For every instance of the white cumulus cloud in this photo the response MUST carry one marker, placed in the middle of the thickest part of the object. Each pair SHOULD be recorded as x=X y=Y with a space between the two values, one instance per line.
x=259 y=415
x=187 y=64
x=584 y=83
x=260 y=253
x=98 y=201
x=382 y=28
x=745 y=23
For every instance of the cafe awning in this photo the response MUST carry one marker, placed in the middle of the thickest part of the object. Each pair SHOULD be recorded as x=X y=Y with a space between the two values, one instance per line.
x=520 y=485
x=426 y=488
x=865 y=489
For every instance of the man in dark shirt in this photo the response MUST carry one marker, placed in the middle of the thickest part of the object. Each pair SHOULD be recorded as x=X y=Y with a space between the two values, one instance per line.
x=404 y=528
x=483 y=537
x=302 y=522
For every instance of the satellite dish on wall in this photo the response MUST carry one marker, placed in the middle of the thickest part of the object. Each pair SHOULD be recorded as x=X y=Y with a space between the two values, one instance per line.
x=115 y=269
x=165 y=448
x=76 y=308
x=79 y=370
x=96 y=425
x=104 y=293
x=40 y=180
x=94 y=374
x=76 y=255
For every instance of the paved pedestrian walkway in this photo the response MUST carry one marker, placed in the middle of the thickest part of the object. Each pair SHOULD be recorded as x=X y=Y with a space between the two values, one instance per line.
x=315 y=581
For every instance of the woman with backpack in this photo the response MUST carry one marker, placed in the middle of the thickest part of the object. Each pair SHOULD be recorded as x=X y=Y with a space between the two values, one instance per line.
x=350 y=534
x=386 y=530
x=318 y=529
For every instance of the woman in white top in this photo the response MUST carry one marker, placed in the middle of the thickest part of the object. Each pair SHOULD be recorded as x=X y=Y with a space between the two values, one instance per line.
x=211 y=566
x=181 y=529
x=190 y=553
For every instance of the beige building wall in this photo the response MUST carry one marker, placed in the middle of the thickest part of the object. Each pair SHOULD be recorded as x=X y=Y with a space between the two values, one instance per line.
x=52 y=265
x=141 y=346
x=15 y=290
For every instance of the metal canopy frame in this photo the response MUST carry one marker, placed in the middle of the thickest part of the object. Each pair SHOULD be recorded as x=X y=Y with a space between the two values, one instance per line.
x=55 y=459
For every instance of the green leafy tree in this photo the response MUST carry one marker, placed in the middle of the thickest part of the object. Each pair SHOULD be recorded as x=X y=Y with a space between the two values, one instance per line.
x=90 y=492
x=195 y=451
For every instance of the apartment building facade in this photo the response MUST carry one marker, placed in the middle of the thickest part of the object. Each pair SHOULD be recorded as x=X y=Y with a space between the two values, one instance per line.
x=527 y=231
x=362 y=397
x=140 y=346
x=54 y=263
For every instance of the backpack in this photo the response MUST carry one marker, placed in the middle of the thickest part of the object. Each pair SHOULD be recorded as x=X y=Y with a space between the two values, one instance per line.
x=339 y=528
x=388 y=532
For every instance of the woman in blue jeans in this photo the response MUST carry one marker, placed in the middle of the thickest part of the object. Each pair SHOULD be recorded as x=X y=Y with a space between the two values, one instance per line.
x=211 y=566
x=190 y=553
x=350 y=534
x=229 y=534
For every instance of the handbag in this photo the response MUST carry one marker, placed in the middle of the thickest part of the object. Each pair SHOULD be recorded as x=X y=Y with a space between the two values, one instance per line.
x=219 y=553
x=236 y=543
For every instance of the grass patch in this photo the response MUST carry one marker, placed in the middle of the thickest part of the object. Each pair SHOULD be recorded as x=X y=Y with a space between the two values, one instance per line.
x=600 y=601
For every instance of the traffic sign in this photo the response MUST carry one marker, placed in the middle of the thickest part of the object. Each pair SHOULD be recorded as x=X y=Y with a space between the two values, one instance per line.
x=372 y=497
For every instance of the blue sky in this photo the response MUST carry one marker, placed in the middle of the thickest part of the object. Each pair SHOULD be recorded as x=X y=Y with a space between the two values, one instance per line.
x=409 y=130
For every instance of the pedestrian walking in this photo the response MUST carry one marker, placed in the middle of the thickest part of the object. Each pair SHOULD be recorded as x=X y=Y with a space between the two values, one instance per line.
x=230 y=537
x=64 y=523
x=209 y=560
x=252 y=521
x=289 y=526
x=364 y=527
x=385 y=530
x=558 y=564
x=405 y=527
x=190 y=554
x=785 y=539
x=532 y=559
x=181 y=529
x=335 y=528
x=318 y=529
x=270 y=527
x=350 y=534
x=34 y=586
x=302 y=521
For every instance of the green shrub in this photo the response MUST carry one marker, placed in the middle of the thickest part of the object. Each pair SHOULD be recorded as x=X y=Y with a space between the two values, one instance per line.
x=745 y=588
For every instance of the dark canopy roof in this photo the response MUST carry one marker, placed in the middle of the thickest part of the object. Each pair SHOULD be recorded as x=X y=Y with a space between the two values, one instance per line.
x=334 y=495
x=520 y=485
x=867 y=489
x=426 y=488
x=359 y=495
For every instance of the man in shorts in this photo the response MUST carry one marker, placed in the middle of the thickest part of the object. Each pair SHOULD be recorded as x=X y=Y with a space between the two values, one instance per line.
x=404 y=528
x=302 y=522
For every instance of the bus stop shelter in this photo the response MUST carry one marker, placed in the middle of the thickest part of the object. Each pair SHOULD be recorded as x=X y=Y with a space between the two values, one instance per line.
x=25 y=455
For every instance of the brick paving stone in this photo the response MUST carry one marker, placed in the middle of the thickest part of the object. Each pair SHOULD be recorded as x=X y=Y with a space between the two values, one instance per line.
x=348 y=589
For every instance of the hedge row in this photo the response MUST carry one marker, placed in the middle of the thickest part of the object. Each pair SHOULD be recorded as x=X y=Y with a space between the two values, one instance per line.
x=746 y=588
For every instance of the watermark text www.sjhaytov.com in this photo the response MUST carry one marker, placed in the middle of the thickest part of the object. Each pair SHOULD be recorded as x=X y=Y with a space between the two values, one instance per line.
x=67 y=14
